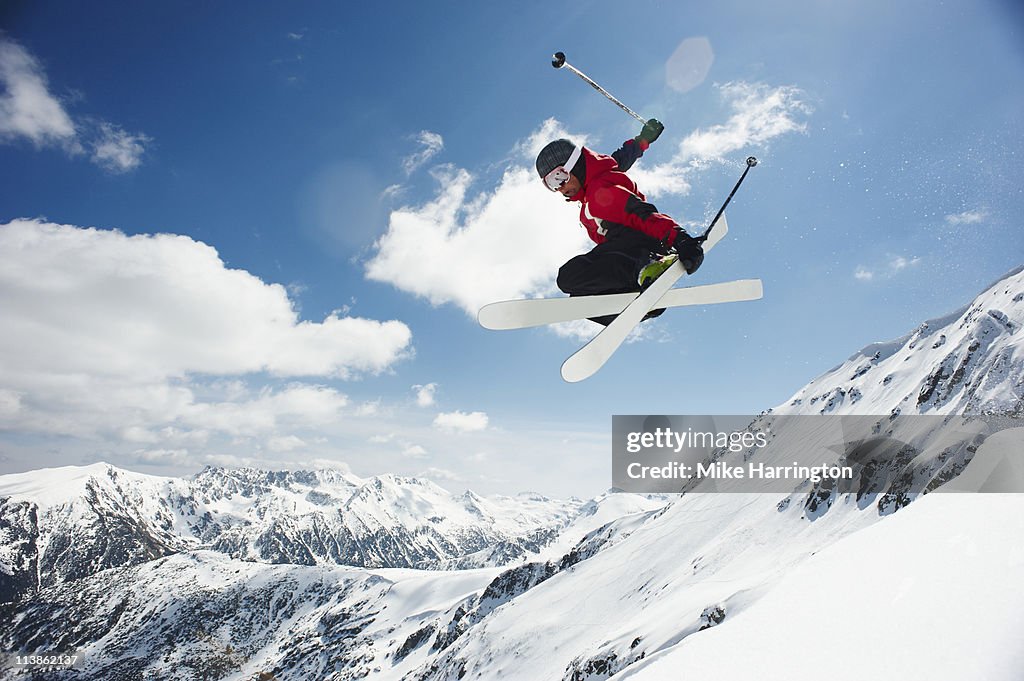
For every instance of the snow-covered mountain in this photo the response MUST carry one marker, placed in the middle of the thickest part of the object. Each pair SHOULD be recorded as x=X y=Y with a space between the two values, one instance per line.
x=884 y=579
x=968 y=362
x=68 y=523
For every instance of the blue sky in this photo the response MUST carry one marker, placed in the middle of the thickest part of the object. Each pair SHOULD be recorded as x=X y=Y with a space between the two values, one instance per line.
x=348 y=183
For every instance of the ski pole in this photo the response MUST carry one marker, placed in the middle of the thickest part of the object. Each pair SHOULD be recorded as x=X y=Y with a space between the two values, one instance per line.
x=751 y=162
x=559 y=62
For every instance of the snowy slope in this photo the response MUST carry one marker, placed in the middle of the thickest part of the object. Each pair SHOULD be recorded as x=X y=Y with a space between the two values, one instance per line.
x=596 y=515
x=940 y=606
x=673 y=573
x=202 y=615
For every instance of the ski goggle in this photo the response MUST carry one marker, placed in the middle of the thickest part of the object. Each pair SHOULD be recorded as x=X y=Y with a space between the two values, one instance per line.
x=557 y=178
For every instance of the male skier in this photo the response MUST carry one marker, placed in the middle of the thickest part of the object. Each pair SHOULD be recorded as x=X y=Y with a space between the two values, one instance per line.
x=631 y=235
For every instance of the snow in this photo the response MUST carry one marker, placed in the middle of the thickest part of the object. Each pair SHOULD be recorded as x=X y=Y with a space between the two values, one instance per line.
x=56 y=486
x=598 y=513
x=419 y=593
x=932 y=593
x=652 y=584
x=998 y=466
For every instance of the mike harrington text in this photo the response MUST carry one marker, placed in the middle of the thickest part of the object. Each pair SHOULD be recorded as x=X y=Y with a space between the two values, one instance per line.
x=720 y=470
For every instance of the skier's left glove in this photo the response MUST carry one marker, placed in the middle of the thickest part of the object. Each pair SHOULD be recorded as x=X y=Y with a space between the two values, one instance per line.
x=652 y=131
x=689 y=250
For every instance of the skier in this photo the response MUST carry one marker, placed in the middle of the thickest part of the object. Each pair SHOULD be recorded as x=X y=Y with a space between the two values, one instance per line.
x=631 y=236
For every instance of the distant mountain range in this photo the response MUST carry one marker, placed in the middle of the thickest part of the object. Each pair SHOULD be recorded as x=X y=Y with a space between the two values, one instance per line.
x=247 y=574
x=69 y=523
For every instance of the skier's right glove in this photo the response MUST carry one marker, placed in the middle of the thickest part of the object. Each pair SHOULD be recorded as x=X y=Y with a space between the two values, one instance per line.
x=689 y=250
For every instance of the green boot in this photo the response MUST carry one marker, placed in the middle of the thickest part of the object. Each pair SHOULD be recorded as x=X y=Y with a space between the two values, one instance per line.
x=651 y=272
x=654 y=270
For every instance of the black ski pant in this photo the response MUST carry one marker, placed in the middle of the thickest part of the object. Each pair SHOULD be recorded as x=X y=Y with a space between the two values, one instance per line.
x=610 y=267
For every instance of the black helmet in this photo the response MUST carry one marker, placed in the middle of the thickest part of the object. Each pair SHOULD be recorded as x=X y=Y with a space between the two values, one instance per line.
x=557 y=154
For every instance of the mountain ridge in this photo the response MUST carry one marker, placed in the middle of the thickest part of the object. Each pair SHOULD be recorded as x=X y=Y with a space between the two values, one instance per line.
x=929 y=366
x=69 y=522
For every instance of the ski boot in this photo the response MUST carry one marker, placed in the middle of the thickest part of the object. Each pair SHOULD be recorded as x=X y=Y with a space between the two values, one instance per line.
x=652 y=271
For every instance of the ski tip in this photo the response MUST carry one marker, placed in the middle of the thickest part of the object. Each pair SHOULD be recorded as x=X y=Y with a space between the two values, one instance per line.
x=574 y=371
x=722 y=226
x=497 y=317
x=572 y=377
x=483 y=317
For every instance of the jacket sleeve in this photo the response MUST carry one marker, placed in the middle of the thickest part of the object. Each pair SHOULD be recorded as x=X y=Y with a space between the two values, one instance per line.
x=628 y=153
x=618 y=204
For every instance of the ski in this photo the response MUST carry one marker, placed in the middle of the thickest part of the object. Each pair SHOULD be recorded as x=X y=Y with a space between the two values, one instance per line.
x=587 y=360
x=525 y=313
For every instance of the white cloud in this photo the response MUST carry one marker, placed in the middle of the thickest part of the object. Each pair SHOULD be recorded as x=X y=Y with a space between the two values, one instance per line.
x=296 y=406
x=286 y=443
x=139 y=434
x=108 y=331
x=899 y=262
x=414 y=452
x=760 y=114
x=116 y=150
x=371 y=408
x=10 y=403
x=319 y=464
x=475 y=250
x=184 y=459
x=393 y=192
x=431 y=145
x=893 y=266
x=440 y=474
x=580 y=330
x=550 y=129
x=462 y=422
x=425 y=394
x=101 y=301
x=968 y=217
x=29 y=110
x=178 y=457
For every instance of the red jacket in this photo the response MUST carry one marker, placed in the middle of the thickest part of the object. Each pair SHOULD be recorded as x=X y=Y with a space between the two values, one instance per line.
x=611 y=201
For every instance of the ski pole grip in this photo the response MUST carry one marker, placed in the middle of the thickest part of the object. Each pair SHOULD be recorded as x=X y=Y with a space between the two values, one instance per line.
x=558 y=60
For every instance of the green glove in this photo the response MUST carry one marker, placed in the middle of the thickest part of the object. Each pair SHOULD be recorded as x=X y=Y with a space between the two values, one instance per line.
x=652 y=130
